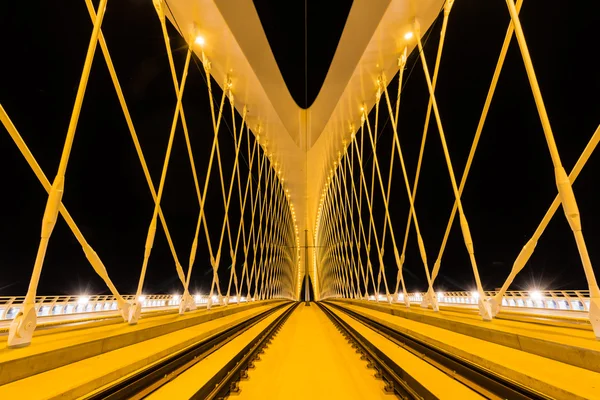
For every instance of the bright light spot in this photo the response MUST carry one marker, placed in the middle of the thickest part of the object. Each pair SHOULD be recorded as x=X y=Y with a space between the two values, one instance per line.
x=440 y=294
x=535 y=295
x=197 y=297
x=475 y=294
x=401 y=296
x=142 y=298
x=175 y=297
x=408 y=35
x=199 y=40
x=83 y=300
x=215 y=298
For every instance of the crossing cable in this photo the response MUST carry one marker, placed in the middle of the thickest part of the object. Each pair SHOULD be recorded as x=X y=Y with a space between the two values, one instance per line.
x=354 y=237
x=270 y=260
x=269 y=247
x=324 y=243
x=132 y=130
x=385 y=198
x=565 y=190
x=186 y=301
x=255 y=201
x=282 y=246
x=242 y=228
x=483 y=306
x=268 y=226
x=527 y=250
x=358 y=200
x=22 y=327
x=275 y=276
x=351 y=235
x=385 y=195
x=337 y=212
x=330 y=260
x=335 y=220
x=478 y=131
x=362 y=183
x=372 y=222
x=423 y=253
x=251 y=235
x=150 y=235
x=344 y=215
x=216 y=122
x=426 y=38
x=200 y=69
x=287 y=253
x=275 y=242
x=447 y=8
x=238 y=144
x=217 y=260
x=263 y=234
x=260 y=236
x=376 y=167
x=259 y=201
x=347 y=211
x=89 y=252
x=374 y=148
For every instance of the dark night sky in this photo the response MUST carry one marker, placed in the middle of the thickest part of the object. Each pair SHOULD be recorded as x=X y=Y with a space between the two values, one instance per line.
x=509 y=189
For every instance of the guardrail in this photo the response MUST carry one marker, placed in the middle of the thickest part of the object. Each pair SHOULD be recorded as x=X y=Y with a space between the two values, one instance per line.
x=568 y=300
x=62 y=305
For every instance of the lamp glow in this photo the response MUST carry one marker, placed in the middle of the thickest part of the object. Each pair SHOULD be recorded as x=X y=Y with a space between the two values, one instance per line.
x=408 y=35
x=199 y=40
x=535 y=295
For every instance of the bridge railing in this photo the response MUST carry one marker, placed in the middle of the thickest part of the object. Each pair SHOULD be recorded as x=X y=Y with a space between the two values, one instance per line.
x=83 y=304
x=568 y=300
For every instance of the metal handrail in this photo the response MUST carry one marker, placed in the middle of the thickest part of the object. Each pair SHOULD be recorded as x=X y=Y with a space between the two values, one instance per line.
x=61 y=304
x=566 y=300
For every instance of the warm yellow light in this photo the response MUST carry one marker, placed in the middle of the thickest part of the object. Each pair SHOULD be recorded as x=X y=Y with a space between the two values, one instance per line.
x=408 y=35
x=199 y=40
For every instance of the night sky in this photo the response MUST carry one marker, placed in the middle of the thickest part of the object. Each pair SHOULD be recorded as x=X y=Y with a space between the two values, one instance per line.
x=510 y=186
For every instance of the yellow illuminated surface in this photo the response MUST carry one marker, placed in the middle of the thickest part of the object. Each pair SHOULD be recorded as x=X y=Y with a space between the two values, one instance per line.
x=83 y=376
x=310 y=359
x=562 y=380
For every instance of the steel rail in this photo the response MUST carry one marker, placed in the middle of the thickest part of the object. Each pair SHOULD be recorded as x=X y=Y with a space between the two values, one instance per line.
x=147 y=380
x=481 y=380
x=226 y=380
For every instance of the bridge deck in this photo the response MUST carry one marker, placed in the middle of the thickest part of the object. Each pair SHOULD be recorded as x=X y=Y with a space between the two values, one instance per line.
x=535 y=371
x=76 y=356
x=310 y=359
x=566 y=341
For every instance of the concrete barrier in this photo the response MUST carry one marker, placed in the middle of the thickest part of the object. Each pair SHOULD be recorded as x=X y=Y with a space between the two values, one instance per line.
x=52 y=352
x=582 y=357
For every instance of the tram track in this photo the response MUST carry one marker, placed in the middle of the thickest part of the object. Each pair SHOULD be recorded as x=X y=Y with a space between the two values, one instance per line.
x=146 y=381
x=480 y=380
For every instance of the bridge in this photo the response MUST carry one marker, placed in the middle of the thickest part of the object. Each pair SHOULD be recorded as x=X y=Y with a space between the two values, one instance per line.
x=279 y=250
